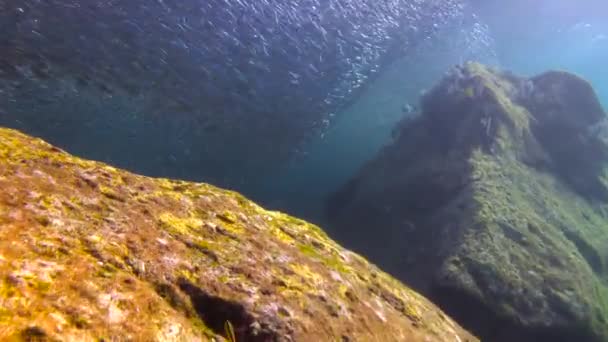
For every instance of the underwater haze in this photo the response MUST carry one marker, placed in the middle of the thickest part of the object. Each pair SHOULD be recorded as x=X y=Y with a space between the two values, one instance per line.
x=281 y=100
x=229 y=92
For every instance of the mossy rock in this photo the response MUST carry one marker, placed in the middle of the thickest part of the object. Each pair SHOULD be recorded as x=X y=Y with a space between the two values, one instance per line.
x=89 y=252
x=494 y=202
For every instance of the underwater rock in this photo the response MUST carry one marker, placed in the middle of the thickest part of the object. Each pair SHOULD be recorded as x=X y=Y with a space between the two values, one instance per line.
x=493 y=203
x=88 y=251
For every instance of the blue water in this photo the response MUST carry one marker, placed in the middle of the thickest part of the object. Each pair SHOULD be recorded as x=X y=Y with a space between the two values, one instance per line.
x=525 y=38
x=281 y=100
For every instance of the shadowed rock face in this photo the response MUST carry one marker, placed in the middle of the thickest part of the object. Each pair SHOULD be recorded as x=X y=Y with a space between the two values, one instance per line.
x=90 y=252
x=493 y=202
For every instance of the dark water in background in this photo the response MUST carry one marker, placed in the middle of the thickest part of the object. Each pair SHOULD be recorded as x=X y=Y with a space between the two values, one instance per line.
x=282 y=100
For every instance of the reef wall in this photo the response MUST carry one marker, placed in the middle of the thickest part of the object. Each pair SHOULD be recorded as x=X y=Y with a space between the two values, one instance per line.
x=493 y=201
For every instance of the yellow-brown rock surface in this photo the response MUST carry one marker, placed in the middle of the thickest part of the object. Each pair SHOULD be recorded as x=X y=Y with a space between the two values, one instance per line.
x=90 y=253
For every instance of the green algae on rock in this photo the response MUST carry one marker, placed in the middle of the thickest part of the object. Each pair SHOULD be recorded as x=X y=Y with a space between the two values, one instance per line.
x=89 y=253
x=494 y=203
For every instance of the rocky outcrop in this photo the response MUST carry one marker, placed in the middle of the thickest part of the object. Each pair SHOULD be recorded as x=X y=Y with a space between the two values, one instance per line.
x=90 y=252
x=494 y=203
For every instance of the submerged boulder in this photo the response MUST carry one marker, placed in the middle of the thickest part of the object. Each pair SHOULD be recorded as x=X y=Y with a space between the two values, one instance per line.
x=494 y=203
x=90 y=252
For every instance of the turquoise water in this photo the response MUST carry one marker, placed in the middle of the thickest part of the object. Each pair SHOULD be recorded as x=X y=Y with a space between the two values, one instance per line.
x=280 y=100
x=552 y=39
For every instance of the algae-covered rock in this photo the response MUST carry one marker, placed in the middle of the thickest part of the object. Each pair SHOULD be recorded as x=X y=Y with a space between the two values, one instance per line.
x=493 y=202
x=90 y=253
